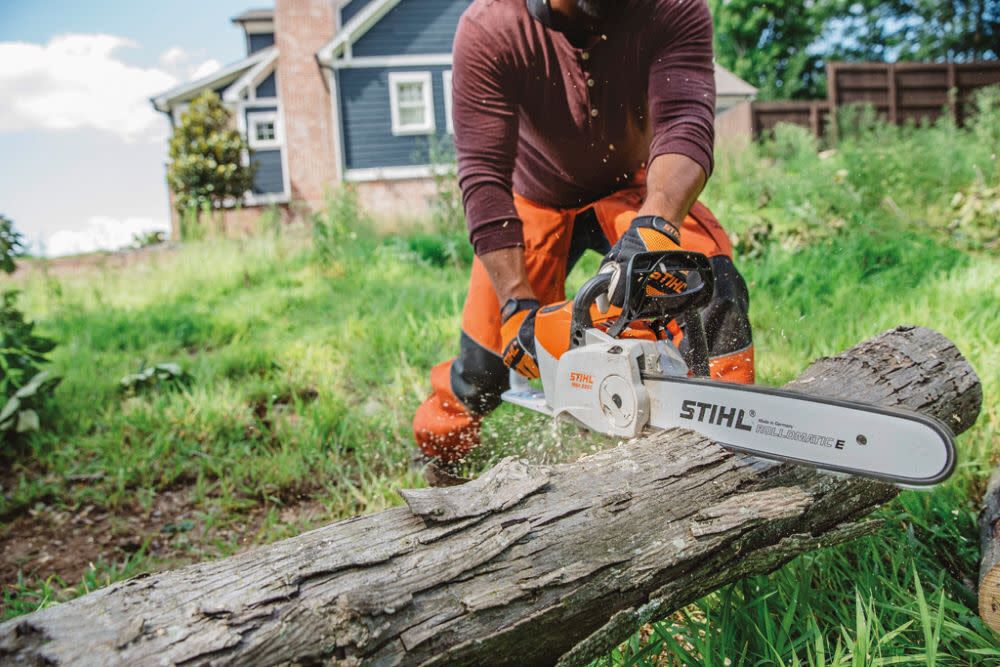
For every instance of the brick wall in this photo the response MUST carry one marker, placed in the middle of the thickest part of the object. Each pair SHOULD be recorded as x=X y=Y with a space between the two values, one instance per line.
x=302 y=28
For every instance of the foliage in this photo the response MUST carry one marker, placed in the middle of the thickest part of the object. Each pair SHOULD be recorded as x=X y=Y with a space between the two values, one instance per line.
x=22 y=350
x=781 y=46
x=20 y=413
x=11 y=245
x=160 y=376
x=206 y=157
x=148 y=239
x=343 y=227
x=447 y=210
x=24 y=387
x=770 y=44
x=957 y=30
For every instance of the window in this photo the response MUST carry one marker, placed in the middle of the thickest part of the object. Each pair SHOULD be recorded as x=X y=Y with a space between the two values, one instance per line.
x=412 y=103
x=263 y=130
x=449 y=121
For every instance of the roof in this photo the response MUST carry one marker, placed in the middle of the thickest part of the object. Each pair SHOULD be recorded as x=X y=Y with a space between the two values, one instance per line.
x=728 y=84
x=353 y=30
x=254 y=15
x=241 y=72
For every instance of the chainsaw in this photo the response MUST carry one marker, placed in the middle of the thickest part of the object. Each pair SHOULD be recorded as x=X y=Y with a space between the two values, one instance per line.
x=623 y=376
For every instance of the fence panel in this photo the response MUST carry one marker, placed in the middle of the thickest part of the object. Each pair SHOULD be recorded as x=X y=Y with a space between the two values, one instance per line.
x=899 y=93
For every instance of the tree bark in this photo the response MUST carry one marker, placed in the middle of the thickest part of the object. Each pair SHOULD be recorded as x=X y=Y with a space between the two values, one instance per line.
x=527 y=565
x=989 y=542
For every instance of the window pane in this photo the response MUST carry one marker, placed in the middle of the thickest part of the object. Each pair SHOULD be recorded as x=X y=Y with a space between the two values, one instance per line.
x=265 y=131
x=412 y=116
x=411 y=92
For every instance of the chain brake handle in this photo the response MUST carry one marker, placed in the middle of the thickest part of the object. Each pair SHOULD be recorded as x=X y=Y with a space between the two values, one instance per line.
x=640 y=304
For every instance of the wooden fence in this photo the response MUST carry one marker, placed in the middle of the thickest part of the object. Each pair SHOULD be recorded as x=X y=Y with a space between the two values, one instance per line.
x=899 y=92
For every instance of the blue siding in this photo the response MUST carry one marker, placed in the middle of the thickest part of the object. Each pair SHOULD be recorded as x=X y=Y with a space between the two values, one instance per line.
x=268 y=178
x=367 y=119
x=259 y=41
x=351 y=9
x=268 y=87
x=413 y=27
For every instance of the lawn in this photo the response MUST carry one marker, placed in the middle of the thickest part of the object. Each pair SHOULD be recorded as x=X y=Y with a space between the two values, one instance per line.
x=309 y=350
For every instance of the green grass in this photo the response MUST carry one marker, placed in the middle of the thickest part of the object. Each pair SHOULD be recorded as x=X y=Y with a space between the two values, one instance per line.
x=307 y=368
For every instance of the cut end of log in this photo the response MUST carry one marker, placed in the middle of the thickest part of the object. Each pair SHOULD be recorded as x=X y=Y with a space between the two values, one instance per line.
x=989 y=598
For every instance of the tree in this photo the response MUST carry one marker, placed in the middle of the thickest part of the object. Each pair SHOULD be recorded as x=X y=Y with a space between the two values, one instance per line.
x=11 y=245
x=772 y=44
x=206 y=157
x=957 y=30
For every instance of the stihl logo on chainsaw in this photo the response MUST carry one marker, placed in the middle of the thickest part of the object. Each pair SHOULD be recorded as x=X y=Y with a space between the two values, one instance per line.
x=583 y=381
x=667 y=282
x=710 y=413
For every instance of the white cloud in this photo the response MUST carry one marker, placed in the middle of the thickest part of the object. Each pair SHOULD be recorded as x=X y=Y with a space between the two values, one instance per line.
x=173 y=57
x=77 y=82
x=185 y=66
x=100 y=233
x=208 y=67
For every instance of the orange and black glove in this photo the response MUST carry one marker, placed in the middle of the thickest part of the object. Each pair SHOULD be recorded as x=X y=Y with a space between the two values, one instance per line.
x=647 y=233
x=517 y=336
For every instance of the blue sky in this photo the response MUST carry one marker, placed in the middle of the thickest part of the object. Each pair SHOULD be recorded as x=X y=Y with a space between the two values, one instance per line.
x=83 y=152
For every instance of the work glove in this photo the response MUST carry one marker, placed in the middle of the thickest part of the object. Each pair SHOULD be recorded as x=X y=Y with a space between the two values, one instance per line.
x=517 y=336
x=647 y=233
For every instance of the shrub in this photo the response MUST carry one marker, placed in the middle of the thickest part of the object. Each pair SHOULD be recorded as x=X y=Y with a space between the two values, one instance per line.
x=340 y=227
x=206 y=158
x=447 y=211
x=23 y=385
x=11 y=245
x=20 y=413
x=160 y=376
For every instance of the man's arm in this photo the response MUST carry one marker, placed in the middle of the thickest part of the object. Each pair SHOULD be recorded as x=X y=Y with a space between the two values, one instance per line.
x=673 y=183
x=486 y=130
x=682 y=109
x=508 y=273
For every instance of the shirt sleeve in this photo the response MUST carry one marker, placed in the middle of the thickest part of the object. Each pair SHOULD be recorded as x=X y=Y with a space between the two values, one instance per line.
x=682 y=82
x=486 y=127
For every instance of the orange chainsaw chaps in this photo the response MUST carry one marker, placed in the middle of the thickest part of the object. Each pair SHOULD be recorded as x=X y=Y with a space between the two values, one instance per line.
x=443 y=427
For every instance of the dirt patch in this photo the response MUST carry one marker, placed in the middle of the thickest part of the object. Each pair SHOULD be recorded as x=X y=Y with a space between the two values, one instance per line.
x=62 y=546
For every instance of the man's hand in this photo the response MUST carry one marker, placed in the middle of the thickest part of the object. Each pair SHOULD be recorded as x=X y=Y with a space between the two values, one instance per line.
x=517 y=335
x=647 y=233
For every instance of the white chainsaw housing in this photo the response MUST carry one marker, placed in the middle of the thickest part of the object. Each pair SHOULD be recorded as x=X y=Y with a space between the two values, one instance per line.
x=599 y=384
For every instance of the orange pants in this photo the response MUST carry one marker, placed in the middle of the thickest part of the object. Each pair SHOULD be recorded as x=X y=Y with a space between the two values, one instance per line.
x=468 y=387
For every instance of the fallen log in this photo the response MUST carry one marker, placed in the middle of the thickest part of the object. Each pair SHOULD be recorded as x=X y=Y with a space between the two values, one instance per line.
x=989 y=543
x=528 y=565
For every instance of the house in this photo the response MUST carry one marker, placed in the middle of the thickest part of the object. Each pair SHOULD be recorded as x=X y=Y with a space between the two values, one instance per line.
x=350 y=90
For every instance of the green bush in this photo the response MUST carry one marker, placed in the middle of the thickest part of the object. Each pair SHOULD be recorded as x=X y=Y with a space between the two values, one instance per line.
x=160 y=376
x=24 y=387
x=11 y=245
x=206 y=158
x=342 y=228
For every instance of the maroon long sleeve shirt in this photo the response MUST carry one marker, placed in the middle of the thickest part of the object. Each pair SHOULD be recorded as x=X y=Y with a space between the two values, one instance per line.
x=564 y=126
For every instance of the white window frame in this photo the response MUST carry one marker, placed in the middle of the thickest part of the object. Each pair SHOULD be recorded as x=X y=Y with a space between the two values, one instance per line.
x=423 y=78
x=449 y=119
x=255 y=117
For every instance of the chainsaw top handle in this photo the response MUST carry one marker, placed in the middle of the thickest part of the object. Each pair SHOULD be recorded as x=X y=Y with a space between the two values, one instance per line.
x=644 y=300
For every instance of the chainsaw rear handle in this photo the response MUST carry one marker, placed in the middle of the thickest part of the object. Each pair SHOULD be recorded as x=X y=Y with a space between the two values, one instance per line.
x=585 y=298
x=640 y=305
